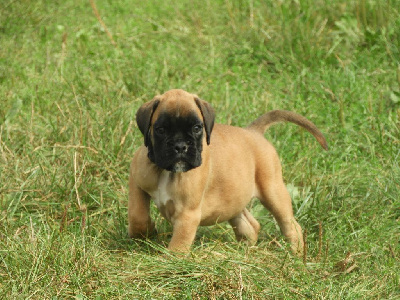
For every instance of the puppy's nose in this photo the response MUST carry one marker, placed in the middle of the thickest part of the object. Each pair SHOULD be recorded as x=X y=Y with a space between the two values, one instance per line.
x=181 y=147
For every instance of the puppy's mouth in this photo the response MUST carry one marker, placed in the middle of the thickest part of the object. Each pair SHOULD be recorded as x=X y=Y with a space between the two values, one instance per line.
x=180 y=166
x=181 y=163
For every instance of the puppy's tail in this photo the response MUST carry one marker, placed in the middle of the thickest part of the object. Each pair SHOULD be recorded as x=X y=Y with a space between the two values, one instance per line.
x=266 y=120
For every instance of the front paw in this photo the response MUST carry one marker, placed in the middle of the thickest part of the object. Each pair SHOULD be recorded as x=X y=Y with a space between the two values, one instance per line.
x=140 y=231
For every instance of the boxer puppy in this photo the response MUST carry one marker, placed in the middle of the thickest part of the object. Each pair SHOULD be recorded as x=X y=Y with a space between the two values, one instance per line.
x=198 y=173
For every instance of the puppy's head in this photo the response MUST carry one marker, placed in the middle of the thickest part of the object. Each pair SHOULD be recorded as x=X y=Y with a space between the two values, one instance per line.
x=174 y=125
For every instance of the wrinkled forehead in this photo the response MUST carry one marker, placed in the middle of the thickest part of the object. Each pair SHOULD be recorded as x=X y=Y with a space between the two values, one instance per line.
x=177 y=104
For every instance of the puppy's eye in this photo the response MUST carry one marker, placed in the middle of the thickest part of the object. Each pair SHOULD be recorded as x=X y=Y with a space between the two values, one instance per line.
x=197 y=128
x=160 y=130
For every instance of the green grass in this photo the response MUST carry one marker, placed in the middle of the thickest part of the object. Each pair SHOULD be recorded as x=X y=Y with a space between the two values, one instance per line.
x=67 y=135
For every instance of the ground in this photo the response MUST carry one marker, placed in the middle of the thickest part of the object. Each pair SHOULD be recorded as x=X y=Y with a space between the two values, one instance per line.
x=72 y=75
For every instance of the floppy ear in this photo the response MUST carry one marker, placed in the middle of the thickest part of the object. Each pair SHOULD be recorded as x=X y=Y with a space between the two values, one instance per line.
x=143 y=118
x=208 y=116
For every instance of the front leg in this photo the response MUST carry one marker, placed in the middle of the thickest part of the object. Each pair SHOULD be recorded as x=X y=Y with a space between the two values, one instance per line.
x=139 y=222
x=184 y=230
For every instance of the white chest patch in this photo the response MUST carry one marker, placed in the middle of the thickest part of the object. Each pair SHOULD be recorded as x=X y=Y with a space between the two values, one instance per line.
x=161 y=195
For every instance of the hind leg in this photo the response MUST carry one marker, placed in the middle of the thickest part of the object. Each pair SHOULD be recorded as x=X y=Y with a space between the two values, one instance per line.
x=245 y=227
x=276 y=198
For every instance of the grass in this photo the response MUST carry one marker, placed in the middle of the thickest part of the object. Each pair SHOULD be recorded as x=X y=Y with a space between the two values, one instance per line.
x=69 y=92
